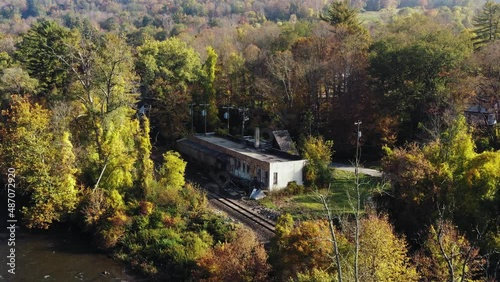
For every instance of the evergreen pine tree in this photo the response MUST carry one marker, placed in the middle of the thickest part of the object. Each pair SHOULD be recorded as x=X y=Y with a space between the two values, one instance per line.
x=487 y=24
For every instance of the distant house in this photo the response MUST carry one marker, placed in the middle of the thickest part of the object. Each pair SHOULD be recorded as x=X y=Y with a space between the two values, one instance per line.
x=481 y=116
x=273 y=168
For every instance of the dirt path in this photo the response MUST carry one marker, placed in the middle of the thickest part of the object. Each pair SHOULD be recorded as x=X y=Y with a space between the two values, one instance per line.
x=349 y=167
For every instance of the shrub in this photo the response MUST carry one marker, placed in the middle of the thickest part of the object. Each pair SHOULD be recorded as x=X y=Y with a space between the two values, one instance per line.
x=294 y=189
x=146 y=207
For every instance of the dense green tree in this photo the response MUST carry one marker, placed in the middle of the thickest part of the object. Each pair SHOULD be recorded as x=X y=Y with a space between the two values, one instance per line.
x=145 y=165
x=39 y=52
x=32 y=9
x=167 y=70
x=6 y=60
x=340 y=14
x=209 y=71
x=487 y=24
x=411 y=67
x=235 y=81
x=171 y=60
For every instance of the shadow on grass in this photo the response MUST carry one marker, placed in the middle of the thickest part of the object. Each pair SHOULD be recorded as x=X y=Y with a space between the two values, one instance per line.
x=341 y=197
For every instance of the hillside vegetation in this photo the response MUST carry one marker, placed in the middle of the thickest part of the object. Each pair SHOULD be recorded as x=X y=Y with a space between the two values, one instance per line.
x=92 y=91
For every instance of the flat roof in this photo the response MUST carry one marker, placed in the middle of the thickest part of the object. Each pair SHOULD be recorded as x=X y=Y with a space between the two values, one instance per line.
x=203 y=149
x=243 y=149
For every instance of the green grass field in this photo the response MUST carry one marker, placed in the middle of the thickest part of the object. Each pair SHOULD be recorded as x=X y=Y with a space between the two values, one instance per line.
x=308 y=206
x=385 y=15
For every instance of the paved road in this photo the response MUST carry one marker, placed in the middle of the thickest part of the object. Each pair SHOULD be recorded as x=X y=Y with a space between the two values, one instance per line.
x=349 y=167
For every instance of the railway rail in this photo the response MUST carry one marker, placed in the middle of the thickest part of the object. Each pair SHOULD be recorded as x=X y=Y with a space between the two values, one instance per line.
x=244 y=211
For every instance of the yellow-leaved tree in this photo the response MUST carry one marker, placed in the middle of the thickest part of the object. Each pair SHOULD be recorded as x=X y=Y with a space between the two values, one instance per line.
x=43 y=161
x=172 y=171
x=306 y=252
x=383 y=254
x=318 y=153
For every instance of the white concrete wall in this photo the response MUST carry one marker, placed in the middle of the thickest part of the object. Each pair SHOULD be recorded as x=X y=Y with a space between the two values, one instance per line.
x=287 y=172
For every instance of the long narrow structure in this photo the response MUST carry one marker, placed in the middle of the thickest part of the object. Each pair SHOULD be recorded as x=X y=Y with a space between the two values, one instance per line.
x=272 y=168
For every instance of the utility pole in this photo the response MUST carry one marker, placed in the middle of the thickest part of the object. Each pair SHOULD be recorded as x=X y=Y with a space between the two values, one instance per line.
x=245 y=118
x=227 y=118
x=358 y=149
x=204 y=113
x=191 y=112
x=358 y=202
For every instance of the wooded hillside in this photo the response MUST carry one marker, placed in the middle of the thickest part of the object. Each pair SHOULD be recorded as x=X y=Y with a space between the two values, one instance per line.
x=90 y=90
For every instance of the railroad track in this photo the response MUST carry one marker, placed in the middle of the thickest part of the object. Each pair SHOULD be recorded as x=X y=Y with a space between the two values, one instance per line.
x=244 y=211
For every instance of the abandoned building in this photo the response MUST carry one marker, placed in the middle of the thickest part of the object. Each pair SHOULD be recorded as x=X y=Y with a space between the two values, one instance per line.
x=481 y=116
x=250 y=159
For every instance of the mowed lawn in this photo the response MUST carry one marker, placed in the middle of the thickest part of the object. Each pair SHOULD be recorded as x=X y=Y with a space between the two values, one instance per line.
x=341 y=197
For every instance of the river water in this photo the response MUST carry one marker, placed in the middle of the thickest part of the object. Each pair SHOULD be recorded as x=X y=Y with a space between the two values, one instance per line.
x=58 y=255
